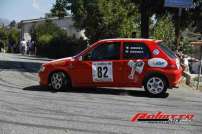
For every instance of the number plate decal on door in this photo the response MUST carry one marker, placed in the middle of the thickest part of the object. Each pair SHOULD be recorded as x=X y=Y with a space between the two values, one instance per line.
x=102 y=71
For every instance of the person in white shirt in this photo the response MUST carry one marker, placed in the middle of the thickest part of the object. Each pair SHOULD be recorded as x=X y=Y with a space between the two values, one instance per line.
x=23 y=46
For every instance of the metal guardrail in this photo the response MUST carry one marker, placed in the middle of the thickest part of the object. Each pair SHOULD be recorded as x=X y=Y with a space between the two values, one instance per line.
x=199 y=43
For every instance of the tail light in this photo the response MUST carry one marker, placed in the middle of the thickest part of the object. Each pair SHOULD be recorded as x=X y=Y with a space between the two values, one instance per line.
x=174 y=65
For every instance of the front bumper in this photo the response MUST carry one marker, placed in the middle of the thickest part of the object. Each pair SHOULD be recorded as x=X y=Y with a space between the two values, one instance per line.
x=43 y=79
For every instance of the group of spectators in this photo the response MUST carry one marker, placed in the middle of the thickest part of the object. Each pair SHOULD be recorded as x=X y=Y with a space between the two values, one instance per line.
x=188 y=63
x=27 y=47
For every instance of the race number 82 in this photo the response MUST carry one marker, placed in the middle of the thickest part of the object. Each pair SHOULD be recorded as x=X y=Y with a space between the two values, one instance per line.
x=102 y=71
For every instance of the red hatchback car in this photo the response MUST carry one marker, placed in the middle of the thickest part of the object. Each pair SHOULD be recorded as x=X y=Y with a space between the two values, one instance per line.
x=116 y=63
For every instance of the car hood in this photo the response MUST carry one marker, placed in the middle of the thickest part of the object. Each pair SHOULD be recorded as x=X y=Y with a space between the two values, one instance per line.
x=62 y=61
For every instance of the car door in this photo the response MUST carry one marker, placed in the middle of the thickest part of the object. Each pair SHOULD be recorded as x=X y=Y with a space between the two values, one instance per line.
x=81 y=73
x=135 y=57
x=99 y=67
x=106 y=65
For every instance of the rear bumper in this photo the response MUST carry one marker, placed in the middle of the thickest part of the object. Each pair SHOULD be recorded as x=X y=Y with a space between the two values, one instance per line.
x=176 y=84
x=174 y=78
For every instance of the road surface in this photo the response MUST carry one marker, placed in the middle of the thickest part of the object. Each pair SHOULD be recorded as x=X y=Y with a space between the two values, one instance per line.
x=26 y=108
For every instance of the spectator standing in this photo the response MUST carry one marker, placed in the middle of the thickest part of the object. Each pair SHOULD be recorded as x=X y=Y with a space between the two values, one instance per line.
x=26 y=48
x=23 y=44
x=34 y=47
x=30 y=44
x=13 y=48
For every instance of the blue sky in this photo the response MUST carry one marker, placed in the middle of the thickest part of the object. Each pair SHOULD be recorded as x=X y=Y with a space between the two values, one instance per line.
x=24 y=9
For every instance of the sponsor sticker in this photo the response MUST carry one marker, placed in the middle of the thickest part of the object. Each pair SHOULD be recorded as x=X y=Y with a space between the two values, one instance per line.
x=133 y=50
x=157 y=62
x=156 y=52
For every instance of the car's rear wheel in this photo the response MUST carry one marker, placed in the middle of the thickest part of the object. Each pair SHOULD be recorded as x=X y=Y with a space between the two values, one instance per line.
x=59 y=81
x=156 y=85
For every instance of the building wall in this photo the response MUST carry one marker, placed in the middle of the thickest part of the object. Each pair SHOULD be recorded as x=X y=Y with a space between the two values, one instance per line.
x=65 y=23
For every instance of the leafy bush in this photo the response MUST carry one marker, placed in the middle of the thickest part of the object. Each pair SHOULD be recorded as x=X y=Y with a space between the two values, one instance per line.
x=13 y=39
x=185 y=46
x=3 y=37
x=164 y=30
x=54 y=42
x=9 y=37
x=45 y=39
x=103 y=19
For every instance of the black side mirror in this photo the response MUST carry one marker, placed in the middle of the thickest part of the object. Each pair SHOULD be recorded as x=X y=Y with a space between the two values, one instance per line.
x=87 y=57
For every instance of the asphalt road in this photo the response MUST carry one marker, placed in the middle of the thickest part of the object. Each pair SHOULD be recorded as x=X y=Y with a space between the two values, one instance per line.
x=26 y=108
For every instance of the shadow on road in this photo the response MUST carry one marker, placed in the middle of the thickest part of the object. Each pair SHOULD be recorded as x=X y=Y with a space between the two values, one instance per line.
x=40 y=88
x=34 y=58
x=20 y=66
x=106 y=91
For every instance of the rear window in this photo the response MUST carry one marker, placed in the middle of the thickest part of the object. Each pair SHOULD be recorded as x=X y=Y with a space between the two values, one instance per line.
x=167 y=50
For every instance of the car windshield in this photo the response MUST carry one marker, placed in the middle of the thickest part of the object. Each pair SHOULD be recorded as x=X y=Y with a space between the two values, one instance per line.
x=167 y=50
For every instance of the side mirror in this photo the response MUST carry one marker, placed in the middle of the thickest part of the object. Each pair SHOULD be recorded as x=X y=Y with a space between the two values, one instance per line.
x=87 y=57
x=80 y=58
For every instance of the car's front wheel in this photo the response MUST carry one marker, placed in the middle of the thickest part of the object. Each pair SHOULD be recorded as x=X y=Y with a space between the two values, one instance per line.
x=155 y=85
x=58 y=80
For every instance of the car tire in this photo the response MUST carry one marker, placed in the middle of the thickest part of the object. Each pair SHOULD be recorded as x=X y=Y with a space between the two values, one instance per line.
x=59 y=81
x=156 y=85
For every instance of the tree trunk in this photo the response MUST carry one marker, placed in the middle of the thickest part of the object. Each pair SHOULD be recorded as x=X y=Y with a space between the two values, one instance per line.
x=144 y=21
x=177 y=28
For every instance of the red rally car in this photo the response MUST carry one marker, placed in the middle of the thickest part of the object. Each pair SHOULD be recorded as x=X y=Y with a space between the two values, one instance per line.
x=116 y=63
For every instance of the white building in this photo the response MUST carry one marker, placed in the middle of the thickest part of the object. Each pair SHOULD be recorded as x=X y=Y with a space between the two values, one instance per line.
x=65 y=23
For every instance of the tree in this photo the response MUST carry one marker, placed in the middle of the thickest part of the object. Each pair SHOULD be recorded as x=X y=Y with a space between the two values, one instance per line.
x=9 y=37
x=104 y=18
x=3 y=37
x=13 y=36
x=59 y=9
x=13 y=39
x=147 y=8
x=52 y=41
x=164 y=30
x=90 y=14
x=12 y=23
x=80 y=9
x=194 y=16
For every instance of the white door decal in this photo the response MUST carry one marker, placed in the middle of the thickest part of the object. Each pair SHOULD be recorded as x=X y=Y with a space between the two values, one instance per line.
x=136 y=66
x=102 y=71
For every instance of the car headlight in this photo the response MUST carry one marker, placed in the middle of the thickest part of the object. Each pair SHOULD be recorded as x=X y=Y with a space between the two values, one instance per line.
x=42 y=68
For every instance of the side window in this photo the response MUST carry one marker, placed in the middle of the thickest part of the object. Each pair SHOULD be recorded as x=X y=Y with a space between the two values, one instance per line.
x=134 y=50
x=108 y=51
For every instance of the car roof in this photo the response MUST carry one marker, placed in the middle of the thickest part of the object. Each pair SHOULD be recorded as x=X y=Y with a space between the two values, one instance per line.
x=129 y=39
